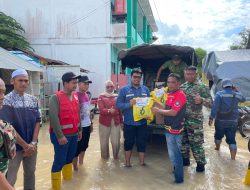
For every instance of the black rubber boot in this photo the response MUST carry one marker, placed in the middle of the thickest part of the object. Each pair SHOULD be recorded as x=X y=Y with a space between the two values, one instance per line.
x=186 y=162
x=200 y=167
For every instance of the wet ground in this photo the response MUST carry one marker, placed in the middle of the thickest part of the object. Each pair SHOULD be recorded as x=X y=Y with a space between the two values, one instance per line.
x=98 y=174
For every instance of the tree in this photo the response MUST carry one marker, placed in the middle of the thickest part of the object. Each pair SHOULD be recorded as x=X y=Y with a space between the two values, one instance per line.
x=201 y=53
x=11 y=33
x=244 y=42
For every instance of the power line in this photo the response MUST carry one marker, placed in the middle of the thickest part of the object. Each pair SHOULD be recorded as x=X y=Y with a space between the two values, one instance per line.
x=159 y=18
x=89 y=14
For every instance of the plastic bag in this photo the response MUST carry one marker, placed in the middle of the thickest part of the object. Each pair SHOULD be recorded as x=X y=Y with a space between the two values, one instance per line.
x=160 y=95
x=142 y=109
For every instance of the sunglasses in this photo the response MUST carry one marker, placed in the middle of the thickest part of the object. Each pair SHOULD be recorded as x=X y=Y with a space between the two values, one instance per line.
x=109 y=86
x=137 y=77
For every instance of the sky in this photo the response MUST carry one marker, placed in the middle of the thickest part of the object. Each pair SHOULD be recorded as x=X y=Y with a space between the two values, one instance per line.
x=208 y=24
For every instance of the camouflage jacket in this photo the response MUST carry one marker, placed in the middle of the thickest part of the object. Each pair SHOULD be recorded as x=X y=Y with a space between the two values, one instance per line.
x=3 y=161
x=191 y=89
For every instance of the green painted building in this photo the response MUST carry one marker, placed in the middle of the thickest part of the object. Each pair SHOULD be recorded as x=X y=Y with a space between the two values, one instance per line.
x=133 y=24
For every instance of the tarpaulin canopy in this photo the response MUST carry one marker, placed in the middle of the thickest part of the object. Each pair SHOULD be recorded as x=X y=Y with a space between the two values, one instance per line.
x=146 y=56
x=12 y=62
x=234 y=65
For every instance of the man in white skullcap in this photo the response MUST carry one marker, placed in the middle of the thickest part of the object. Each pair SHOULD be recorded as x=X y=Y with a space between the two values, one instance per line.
x=21 y=110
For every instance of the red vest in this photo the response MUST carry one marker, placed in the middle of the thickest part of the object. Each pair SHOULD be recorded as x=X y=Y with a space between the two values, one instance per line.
x=69 y=113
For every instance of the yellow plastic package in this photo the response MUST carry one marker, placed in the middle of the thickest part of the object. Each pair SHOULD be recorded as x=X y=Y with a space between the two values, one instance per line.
x=142 y=109
x=160 y=95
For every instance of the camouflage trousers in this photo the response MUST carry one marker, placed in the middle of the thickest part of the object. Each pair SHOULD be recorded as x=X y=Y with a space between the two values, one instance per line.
x=193 y=137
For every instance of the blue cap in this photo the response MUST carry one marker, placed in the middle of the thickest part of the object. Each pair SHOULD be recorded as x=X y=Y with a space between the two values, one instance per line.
x=19 y=72
x=227 y=83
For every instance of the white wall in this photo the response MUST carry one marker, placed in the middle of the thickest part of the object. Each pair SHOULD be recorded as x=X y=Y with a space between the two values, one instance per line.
x=55 y=19
x=77 y=32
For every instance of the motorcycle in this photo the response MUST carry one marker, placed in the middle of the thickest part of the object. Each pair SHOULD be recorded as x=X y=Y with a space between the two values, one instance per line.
x=93 y=106
x=244 y=121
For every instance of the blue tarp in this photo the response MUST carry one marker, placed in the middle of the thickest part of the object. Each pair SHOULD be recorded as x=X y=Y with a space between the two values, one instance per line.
x=234 y=64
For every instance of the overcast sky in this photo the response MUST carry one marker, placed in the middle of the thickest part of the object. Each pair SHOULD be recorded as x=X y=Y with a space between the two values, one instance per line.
x=209 y=24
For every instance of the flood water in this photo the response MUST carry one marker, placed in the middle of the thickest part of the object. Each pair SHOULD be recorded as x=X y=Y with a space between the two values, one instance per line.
x=98 y=174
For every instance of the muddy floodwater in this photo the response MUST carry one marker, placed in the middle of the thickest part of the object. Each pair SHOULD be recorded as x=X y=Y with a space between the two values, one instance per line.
x=98 y=174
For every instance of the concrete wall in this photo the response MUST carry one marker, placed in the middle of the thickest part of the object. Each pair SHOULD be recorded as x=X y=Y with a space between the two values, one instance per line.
x=77 y=32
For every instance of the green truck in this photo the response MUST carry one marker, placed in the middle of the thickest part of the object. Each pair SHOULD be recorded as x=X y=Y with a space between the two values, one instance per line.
x=150 y=58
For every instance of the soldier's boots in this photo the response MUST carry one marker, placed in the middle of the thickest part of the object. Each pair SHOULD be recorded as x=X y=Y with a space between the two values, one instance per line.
x=200 y=167
x=186 y=162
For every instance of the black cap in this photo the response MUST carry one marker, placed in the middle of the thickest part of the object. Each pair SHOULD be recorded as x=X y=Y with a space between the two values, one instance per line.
x=176 y=57
x=69 y=76
x=84 y=79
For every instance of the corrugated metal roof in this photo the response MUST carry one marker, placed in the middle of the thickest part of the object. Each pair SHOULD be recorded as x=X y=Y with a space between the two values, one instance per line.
x=22 y=55
x=12 y=62
x=45 y=60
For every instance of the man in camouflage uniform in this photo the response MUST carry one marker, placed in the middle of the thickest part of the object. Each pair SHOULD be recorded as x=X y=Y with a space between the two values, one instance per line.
x=193 y=136
x=176 y=65
x=4 y=161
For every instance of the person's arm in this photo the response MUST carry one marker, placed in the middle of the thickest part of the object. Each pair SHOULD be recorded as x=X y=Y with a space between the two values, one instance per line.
x=240 y=97
x=163 y=67
x=37 y=127
x=4 y=184
x=54 y=116
x=164 y=112
x=214 y=109
x=148 y=92
x=36 y=132
x=158 y=104
x=121 y=101
x=28 y=149
x=35 y=135
x=177 y=105
x=79 y=133
x=21 y=142
x=121 y=117
x=206 y=96
x=6 y=113
x=102 y=108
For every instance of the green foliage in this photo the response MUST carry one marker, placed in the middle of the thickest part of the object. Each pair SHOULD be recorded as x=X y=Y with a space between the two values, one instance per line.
x=201 y=53
x=11 y=33
x=244 y=40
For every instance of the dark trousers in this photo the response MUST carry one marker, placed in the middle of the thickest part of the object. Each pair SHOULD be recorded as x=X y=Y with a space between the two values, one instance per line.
x=83 y=144
x=135 y=134
x=229 y=130
x=64 y=154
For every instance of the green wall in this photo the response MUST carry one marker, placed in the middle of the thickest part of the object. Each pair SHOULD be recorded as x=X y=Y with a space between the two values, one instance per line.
x=138 y=28
x=135 y=23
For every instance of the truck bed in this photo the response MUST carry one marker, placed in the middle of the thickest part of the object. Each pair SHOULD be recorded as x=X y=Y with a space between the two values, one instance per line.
x=156 y=129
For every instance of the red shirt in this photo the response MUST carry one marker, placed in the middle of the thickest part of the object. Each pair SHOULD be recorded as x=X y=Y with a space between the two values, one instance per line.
x=104 y=104
x=176 y=100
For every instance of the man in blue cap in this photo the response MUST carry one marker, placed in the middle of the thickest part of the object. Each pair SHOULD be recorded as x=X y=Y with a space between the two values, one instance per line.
x=21 y=110
x=225 y=113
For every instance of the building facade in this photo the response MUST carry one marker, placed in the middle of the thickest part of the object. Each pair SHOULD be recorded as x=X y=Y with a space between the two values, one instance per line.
x=88 y=33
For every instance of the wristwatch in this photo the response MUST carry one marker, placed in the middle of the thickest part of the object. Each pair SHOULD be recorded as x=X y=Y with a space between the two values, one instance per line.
x=34 y=143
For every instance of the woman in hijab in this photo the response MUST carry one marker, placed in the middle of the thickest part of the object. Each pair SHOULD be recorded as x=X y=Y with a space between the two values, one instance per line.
x=110 y=121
